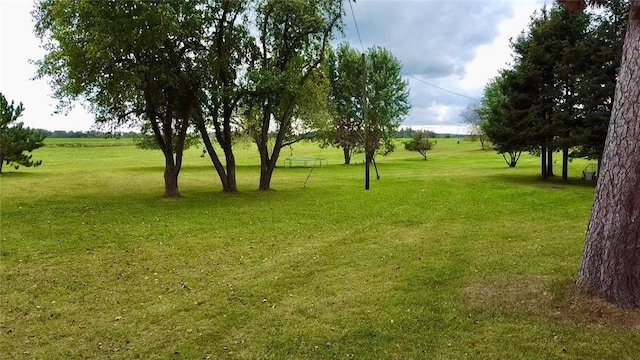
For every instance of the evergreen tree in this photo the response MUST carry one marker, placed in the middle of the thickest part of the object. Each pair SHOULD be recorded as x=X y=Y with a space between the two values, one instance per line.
x=16 y=141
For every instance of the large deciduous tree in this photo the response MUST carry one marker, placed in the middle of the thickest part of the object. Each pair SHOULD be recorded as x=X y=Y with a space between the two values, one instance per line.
x=611 y=261
x=386 y=100
x=229 y=49
x=287 y=78
x=16 y=141
x=132 y=61
x=345 y=76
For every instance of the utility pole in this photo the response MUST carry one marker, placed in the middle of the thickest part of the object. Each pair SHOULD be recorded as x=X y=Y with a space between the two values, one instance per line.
x=367 y=158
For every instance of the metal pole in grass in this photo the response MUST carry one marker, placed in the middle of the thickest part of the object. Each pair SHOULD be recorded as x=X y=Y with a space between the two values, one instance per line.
x=365 y=123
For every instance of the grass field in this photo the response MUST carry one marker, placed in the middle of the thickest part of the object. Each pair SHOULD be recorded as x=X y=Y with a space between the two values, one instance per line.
x=457 y=257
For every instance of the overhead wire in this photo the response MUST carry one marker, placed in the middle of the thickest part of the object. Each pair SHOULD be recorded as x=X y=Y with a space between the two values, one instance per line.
x=355 y=22
x=353 y=15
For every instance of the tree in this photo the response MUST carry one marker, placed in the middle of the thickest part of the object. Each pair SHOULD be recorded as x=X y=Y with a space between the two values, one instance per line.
x=603 y=48
x=535 y=64
x=472 y=119
x=501 y=119
x=287 y=81
x=568 y=33
x=611 y=263
x=420 y=143
x=230 y=46
x=133 y=62
x=346 y=130
x=387 y=101
x=16 y=141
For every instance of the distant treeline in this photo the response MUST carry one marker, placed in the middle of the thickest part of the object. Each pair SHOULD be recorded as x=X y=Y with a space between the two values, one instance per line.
x=88 y=134
x=406 y=133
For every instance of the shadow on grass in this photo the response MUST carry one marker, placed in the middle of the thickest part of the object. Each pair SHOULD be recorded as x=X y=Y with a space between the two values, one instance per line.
x=17 y=174
x=555 y=182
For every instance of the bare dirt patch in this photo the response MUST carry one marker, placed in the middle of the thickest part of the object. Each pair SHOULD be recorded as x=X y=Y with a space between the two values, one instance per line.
x=554 y=300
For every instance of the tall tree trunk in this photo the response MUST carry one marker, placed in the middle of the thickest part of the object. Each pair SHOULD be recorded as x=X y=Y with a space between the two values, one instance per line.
x=266 y=172
x=543 y=162
x=347 y=155
x=217 y=164
x=232 y=186
x=171 y=173
x=565 y=164
x=611 y=260
x=550 y=162
x=265 y=178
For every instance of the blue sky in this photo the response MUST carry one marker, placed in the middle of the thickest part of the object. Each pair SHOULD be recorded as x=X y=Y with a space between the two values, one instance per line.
x=455 y=44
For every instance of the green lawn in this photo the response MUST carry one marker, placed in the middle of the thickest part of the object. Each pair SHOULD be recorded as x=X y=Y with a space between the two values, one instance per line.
x=457 y=257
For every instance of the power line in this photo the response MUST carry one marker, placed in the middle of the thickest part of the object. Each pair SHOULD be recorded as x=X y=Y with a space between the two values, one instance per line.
x=353 y=15
x=438 y=87
x=356 y=23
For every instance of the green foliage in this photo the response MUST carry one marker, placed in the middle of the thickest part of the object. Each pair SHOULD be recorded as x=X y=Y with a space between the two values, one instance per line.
x=604 y=49
x=502 y=121
x=133 y=62
x=419 y=143
x=558 y=94
x=147 y=140
x=16 y=141
x=387 y=100
x=286 y=76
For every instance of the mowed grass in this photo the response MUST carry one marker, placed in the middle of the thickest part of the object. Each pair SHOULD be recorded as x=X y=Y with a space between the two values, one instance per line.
x=457 y=257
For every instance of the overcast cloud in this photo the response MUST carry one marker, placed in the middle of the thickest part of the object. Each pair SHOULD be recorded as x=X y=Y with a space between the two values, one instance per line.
x=457 y=45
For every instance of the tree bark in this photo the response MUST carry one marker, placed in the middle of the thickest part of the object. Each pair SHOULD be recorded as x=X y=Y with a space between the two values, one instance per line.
x=265 y=179
x=232 y=185
x=215 y=160
x=347 y=155
x=565 y=164
x=611 y=260
x=543 y=162
x=171 y=173
x=550 y=162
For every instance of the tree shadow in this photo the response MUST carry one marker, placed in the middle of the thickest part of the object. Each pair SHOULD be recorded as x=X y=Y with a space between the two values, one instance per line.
x=554 y=182
x=18 y=174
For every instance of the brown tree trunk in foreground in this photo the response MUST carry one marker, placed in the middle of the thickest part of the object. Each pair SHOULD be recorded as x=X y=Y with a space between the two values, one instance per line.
x=171 y=181
x=611 y=260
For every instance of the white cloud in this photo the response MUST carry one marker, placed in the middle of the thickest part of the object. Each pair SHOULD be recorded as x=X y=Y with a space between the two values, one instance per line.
x=19 y=46
x=432 y=29
x=490 y=58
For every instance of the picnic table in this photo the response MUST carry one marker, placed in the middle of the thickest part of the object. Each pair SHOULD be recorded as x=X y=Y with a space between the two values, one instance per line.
x=305 y=162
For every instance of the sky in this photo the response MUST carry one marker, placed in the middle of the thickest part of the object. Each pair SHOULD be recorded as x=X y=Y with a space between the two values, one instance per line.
x=457 y=45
